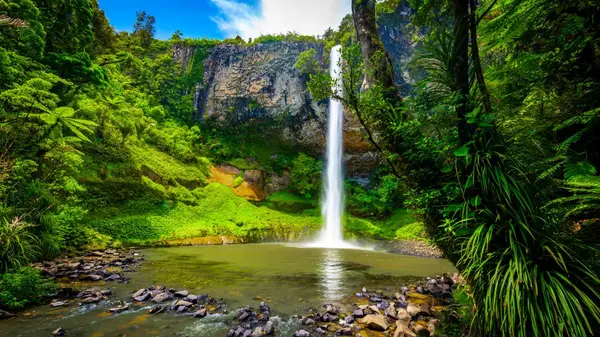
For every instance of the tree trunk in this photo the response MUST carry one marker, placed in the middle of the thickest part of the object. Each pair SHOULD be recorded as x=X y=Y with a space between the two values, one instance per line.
x=485 y=95
x=461 y=67
x=378 y=64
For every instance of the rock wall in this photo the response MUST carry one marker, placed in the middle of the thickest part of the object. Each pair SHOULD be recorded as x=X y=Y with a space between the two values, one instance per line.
x=244 y=82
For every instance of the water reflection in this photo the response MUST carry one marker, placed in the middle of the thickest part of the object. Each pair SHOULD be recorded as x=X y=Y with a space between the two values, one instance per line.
x=332 y=273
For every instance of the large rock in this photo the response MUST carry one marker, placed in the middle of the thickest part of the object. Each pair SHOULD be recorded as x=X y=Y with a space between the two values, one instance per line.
x=375 y=322
x=161 y=297
x=5 y=314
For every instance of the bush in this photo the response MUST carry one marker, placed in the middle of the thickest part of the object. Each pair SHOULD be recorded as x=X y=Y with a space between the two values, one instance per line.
x=306 y=175
x=18 y=245
x=376 y=203
x=23 y=287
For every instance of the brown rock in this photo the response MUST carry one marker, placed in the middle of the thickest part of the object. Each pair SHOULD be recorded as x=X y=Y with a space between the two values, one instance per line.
x=402 y=330
x=375 y=322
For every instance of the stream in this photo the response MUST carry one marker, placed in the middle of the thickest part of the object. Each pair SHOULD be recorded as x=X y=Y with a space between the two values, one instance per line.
x=290 y=279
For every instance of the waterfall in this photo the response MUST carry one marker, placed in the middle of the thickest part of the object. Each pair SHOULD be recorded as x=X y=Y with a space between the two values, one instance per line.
x=333 y=177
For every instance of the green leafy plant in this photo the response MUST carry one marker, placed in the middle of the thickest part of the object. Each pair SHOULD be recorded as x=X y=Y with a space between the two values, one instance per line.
x=24 y=286
x=18 y=245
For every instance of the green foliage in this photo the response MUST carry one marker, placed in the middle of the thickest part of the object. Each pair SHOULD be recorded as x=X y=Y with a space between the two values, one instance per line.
x=23 y=287
x=376 y=202
x=290 y=202
x=19 y=245
x=308 y=63
x=306 y=175
x=214 y=211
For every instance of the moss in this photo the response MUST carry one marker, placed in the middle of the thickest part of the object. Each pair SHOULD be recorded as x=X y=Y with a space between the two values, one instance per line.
x=238 y=181
x=217 y=211
x=244 y=164
x=290 y=202
x=402 y=225
x=159 y=165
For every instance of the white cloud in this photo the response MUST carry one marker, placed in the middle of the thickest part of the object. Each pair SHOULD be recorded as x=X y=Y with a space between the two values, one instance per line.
x=306 y=17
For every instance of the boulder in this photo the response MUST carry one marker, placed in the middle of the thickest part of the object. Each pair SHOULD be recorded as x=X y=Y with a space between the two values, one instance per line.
x=5 y=314
x=161 y=297
x=269 y=328
x=432 y=326
x=119 y=309
x=375 y=322
x=182 y=293
x=412 y=309
x=142 y=298
x=403 y=316
x=258 y=332
x=182 y=303
x=331 y=309
x=139 y=293
x=156 y=310
x=358 y=313
x=191 y=298
x=200 y=313
x=301 y=333
x=424 y=309
x=56 y=304
x=59 y=332
x=403 y=331
x=92 y=299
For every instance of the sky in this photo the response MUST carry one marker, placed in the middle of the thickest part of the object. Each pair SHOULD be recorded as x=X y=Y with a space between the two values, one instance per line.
x=228 y=18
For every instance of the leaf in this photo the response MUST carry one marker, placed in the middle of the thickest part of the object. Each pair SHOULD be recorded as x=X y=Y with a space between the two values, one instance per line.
x=475 y=201
x=446 y=169
x=64 y=112
x=461 y=151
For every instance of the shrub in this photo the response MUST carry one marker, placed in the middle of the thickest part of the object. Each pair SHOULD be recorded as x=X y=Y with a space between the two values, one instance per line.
x=18 y=245
x=306 y=175
x=23 y=287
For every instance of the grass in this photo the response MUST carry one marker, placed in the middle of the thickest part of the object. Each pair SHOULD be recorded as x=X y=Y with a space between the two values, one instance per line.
x=401 y=225
x=290 y=202
x=217 y=212
x=167 y=167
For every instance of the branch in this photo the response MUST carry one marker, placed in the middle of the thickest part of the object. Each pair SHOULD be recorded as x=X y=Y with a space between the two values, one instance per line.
x=485 y=12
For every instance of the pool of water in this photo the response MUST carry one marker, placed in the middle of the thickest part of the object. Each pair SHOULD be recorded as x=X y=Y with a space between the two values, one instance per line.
x=290 y=279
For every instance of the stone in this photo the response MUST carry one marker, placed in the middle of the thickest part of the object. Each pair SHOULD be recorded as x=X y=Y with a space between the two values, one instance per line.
x=119 y=309
x=264 y=307
x=139 y=293
x=348 y=319
x=56 y=304
x=301 y=333
x=403 y=316
x=156 y=310
x=247 y=333
x=424 y=309
x=91 y=299
x=93 y=277
x=161 y=297
x=327 y=317
x=181 y=308
x=5 y=314
x=383 y=305
x=358 y=313
x=331 y=309
x=391 y=311
x=321 y=332
x=182 y=293
x=375 y=299
x=239 y=332
x=200 y=313
x=258 y=332
x=403 y=330
x=142 y=298
x=59 y=332
x=113 y=277
x=182 y=303
x=375 y=322
x=344 y=332
x=191 y=298
x=269 y=328
x=432 y=326
x=308 y=321
x=412 y=309
x=421 y=331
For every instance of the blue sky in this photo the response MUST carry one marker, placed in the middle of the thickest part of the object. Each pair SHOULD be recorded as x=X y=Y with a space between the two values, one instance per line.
x=228 y=18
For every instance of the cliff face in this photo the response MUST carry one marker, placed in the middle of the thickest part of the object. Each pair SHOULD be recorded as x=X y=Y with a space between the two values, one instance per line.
x=241 y=83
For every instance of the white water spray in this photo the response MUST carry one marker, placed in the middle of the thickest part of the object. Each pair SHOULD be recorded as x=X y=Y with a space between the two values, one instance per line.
x=333 y=182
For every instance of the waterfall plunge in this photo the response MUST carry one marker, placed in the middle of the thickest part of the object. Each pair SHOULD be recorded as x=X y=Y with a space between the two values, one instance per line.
x=333 y=183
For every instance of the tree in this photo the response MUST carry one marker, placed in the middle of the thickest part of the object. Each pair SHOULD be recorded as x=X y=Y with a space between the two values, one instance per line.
x=144 y=28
